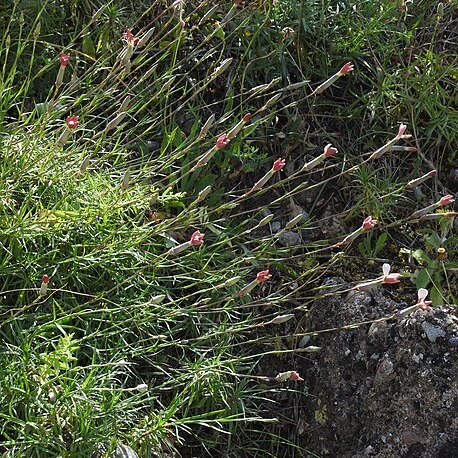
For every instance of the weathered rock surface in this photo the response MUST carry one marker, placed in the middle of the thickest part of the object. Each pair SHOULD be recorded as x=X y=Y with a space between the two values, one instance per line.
x=384 y=390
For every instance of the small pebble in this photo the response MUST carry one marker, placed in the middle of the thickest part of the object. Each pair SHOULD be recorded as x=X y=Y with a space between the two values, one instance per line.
x=275 y=226
x=290 y=238
x=304 y=341
x=453 y=341
x=432 y=332
x=124 y=451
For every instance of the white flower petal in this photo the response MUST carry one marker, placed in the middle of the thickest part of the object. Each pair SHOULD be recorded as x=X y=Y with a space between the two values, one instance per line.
x=422 y=293
x=386 y=269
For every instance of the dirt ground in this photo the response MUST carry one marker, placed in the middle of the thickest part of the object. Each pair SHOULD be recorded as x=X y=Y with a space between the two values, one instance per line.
x=386 y=390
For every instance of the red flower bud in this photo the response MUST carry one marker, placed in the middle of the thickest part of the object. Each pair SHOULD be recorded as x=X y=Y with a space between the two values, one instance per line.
x=197 y=238
x=347 y=68
x=448 y=199
x=223 y=140
x=329 y=150
x=246 y=117
x=64 y=59
x=369 y=223
x=72 y=121
x=129 y=38
x=45 y=279
x=278 y=164
x=295 y=377
x=263 y=276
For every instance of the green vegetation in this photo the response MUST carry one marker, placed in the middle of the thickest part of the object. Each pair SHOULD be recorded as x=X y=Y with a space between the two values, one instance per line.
x=136 y=341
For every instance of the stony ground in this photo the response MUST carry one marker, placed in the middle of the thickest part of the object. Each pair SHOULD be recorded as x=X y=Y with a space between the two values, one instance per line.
x=381 y=390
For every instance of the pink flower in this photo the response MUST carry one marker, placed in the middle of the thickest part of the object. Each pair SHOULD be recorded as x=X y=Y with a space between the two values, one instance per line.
x=446 y=200
x=278 y=164
x=401 y=132
x=197 y=238
x=422 y=293
x=369 y=223
x=295 y=377
x=129 y=38
x=44 y=285
x=347 y=68
x=72 y=121
x=329 y=150
x=64 y=59
x=223 y=140
x=263 y=276
x=246 y=117
x=389 y=279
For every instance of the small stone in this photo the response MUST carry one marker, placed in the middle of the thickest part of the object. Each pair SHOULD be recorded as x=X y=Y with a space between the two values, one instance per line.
x=417 y=358
x=275 y=226
x=304 y=341
x=410 y=438
x=453 y=341
x=369 y=450
x=432 y=332
x=385 y=372
x=124 y=451
x=289 y=238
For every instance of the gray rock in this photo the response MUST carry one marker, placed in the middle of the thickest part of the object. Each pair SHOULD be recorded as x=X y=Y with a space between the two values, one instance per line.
x=290 y=238
x=453 y=341
x=124 y=451
x=275 y=226
x=432 y=332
